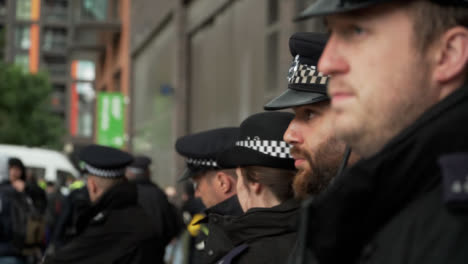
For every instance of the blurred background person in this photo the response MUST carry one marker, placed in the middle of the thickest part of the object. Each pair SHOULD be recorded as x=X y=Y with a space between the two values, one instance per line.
x=10 y=249
x=115 y=229
x=74 y=205
x=164 y=215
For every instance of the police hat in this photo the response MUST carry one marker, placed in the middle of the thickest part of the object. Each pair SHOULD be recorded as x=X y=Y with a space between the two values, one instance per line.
x=261 y=143
x=306 y=85
x=328 y=7
x=202 y=149
x=140 y=164
x=104 y=161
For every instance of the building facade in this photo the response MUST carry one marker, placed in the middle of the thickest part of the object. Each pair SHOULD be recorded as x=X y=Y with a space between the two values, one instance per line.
x=33 y=34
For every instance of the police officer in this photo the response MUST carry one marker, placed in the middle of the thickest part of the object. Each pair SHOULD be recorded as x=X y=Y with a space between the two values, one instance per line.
x=266 y=233
x=315 y=148
x=115 y=229
x=215 y=186
x=153 y=200
x=399 y=97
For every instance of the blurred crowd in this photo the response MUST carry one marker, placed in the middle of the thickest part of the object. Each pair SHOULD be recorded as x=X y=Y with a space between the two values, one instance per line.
x=39 y=217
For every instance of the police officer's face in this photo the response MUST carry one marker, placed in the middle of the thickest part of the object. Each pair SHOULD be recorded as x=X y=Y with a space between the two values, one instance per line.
x=316 y=151
x=205 y=189
x=379 y=79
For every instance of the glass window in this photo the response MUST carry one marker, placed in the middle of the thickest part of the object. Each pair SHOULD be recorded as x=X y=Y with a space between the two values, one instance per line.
x=54 y=39
x=58 y=99
x=85 y=71
x=23 y=37
x=23 y=9
x=86 y=99
x=56 y=10
x=22 y=60
x=94 y=10
x=3 y=9
x=57 y=67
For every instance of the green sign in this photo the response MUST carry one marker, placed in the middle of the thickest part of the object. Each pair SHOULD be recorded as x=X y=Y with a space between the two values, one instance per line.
x=111 y=112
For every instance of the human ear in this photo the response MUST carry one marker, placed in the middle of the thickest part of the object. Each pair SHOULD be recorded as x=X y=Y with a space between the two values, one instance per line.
x=451 y=55
x=222 y=180
x=92 y=188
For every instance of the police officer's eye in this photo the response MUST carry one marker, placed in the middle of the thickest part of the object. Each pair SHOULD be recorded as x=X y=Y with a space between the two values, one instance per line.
x=352 y=31
x=309 y=114
x=358 y=30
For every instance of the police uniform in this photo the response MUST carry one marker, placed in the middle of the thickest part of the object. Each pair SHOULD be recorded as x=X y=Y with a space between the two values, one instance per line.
x=261 y=235
x=115 y=229
x=154 y=201
x=201 y=151
x=409 y=202
x=306 y=86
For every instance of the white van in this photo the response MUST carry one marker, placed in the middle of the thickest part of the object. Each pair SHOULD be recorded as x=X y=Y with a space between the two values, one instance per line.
x=44 y=163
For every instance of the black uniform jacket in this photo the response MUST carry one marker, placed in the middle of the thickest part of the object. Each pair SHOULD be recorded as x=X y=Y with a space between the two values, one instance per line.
x=403 y=205
x=164 y=216
x=261 y=235
x=116 y=231
x=210 y=227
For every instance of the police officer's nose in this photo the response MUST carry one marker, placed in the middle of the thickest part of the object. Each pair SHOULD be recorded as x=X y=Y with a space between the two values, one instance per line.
x=292 y=135
x=331 y=62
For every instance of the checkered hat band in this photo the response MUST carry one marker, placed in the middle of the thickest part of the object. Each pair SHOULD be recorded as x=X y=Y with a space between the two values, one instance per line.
x=274 y=148
x=202 y=162
x=306 y=74
x=105 y=173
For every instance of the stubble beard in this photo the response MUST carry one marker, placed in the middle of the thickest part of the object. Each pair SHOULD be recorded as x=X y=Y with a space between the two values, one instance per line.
x=367 y=129
x=322 y=169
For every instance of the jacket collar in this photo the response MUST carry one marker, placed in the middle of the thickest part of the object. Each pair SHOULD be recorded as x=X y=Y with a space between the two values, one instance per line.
x=360 y=202
x=120 y=196
x=230 y=206
x=262 y=222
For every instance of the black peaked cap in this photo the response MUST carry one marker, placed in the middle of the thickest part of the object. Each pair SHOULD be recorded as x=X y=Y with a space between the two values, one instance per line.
x=202 y=149
x=261 y=143
x=328 y=7
x=306 y=85
x=141 y=162
x=105 y=161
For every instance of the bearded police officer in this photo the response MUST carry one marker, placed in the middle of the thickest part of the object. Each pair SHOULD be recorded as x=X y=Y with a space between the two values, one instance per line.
x=399 y=97
x=215 y=186
x=115 y=229
x=315 y=148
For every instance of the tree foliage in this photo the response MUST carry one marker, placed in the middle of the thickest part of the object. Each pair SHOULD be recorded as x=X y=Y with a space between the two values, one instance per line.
x=26 y=117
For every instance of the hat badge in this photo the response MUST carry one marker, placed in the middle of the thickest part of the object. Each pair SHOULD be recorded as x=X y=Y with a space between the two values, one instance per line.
x=293 y=69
